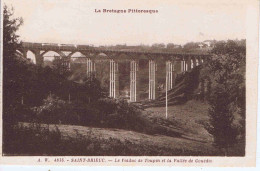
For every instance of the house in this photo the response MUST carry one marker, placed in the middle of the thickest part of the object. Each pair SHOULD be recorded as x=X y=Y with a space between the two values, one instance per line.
x=209 y=43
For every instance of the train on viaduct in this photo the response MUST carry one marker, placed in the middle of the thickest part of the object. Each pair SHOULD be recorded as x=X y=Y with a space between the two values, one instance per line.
x=184 y=61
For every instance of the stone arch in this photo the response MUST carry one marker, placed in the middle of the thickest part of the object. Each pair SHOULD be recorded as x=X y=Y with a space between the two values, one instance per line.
x=76 y=54
x=60 y=53
x=50 y=54
x=103 y=55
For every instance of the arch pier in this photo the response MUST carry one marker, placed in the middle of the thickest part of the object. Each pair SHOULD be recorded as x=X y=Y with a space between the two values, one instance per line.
x=114 y=80
x=170 y=74
x=91 y=67
x=152 y=77
x=133 y=80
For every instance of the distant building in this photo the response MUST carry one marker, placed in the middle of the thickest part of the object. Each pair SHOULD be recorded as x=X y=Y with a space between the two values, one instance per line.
x=177 y=46
x=208 y=43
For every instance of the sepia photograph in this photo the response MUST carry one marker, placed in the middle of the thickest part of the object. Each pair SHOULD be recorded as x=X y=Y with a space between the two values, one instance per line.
x=84 y=81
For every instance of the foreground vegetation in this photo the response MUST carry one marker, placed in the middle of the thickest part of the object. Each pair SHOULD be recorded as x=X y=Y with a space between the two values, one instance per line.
x=36 y=140
x=58 y=139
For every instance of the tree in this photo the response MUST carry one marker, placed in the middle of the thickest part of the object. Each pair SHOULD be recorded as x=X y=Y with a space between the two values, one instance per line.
x=191 y=45
x=59 y=67
x=221 y=120
x=158 y=46
x=54 y=110
x=10 y=26
x=10 y=82
x=226 y=70
x=170 y=46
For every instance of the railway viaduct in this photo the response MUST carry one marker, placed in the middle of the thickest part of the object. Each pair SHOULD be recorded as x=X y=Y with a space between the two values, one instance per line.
x=184 y=61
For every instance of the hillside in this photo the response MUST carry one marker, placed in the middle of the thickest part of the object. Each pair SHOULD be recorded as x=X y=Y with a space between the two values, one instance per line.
x=187 y=86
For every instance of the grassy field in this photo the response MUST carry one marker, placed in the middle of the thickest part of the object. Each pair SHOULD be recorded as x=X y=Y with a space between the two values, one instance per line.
x=185 y=121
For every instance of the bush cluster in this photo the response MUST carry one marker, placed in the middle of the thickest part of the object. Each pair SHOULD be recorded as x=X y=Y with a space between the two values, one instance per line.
x=105 y=112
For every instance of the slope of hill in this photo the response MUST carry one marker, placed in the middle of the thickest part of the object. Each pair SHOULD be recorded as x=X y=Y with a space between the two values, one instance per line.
x=187 y=86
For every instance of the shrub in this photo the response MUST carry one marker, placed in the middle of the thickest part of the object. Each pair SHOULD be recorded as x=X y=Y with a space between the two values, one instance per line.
x=32 y=140
x=221 y=124
x=118 y=113
x=55 y=110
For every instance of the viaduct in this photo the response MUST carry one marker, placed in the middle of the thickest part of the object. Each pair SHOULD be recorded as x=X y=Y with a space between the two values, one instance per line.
x=184 y=61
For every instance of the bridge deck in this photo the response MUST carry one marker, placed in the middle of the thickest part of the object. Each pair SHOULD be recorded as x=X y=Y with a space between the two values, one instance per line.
x=87 y=48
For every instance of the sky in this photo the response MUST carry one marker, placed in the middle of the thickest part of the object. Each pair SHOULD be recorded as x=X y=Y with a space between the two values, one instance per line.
x=179 y=22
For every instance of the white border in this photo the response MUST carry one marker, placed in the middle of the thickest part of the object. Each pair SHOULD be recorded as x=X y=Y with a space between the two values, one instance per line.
x=251 y=92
